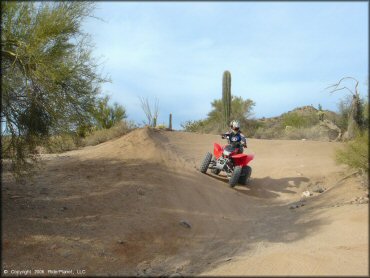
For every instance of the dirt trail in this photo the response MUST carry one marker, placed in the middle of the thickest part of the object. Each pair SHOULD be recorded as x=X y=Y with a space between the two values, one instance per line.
x=114 y=209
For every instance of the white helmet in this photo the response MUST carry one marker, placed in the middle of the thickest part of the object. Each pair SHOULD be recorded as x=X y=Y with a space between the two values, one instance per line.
x=235 y=125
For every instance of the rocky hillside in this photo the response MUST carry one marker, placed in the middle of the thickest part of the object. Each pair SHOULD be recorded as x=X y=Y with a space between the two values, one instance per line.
x=300 y=123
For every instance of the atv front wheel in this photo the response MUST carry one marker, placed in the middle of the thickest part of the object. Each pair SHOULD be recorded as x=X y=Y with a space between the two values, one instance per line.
x=245 y=176
x=206 y=161
x=235 y=176
x=216 y=171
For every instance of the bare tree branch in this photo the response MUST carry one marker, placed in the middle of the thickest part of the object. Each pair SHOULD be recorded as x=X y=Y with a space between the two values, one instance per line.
x=146 y=108
x=355 y=116
x=336 y=85
x=151 y=114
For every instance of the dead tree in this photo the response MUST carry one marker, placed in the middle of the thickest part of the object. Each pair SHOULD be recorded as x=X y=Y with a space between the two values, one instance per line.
x=151 y=114
x=355 y=113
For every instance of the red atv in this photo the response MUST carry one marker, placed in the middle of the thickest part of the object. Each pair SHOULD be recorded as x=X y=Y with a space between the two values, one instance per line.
x=227 y=159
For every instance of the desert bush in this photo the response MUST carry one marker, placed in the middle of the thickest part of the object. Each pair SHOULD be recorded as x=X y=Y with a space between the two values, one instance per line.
x=299 y=121
x=5 y=146
x=366 y=114
x=194 y=126
x=103 y=135
x=355 y=154
x=61 y=143
x=250 y=126
x=71 y=141
x=266 y=132
x=161 y=126
x=316 y=133
x=311 y=133
x=344 y=113
x=105 y=115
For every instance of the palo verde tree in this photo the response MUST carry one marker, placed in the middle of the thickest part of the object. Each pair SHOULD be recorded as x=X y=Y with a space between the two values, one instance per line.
x=240 y=109
x=105 y=115
x=49 y=78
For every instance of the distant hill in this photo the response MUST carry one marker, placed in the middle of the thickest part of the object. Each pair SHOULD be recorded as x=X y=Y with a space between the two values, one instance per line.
x=299 y=123
x=303 y=111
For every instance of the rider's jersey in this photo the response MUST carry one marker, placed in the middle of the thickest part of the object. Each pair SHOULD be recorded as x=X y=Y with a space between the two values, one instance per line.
x=234 y=138
x=244 y=139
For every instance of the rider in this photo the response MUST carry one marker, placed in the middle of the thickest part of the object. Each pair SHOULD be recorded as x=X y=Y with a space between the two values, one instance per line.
x=235 y=137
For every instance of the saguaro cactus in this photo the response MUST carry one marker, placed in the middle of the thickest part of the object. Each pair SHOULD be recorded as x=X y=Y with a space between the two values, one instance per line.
x=226 y=96
x=170 y=123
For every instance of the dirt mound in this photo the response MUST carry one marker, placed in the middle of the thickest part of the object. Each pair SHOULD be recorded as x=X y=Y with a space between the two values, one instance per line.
x=137 y=205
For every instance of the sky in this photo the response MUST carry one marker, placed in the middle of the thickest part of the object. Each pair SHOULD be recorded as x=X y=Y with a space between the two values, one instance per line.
x=282 y=55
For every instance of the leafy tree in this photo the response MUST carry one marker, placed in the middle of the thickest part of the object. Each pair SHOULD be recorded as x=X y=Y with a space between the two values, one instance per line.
x=107 y=116
x=240 y=110
x=49 y=78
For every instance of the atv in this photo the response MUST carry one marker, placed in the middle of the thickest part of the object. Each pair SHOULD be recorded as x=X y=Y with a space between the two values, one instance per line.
x=227 y=159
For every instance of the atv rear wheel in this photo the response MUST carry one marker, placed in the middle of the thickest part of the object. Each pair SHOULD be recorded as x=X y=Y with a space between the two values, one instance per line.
x=235 y=176
x=245 y=176
x=205 y=164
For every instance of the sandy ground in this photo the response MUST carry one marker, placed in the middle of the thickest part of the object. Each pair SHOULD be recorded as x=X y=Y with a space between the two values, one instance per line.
x=138 y=205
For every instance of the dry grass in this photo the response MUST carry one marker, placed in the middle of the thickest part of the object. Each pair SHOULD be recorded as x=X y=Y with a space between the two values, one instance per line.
x=273 y=132
x=60 y=143
x=316 y=133
x=356 y=153
x=104 y=135
x=311 y=133
x=68 y=142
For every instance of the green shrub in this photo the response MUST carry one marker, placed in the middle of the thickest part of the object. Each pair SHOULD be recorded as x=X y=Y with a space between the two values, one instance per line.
x=194 y=126
x=61 y=143
x=70 y=141
x=266 y=132
x=311 y=133
x=298 y=121
x=103 y=135
x=161 y=126
x=250 y=126
x=105 y=115
x=355 y=153
x=241 y=109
